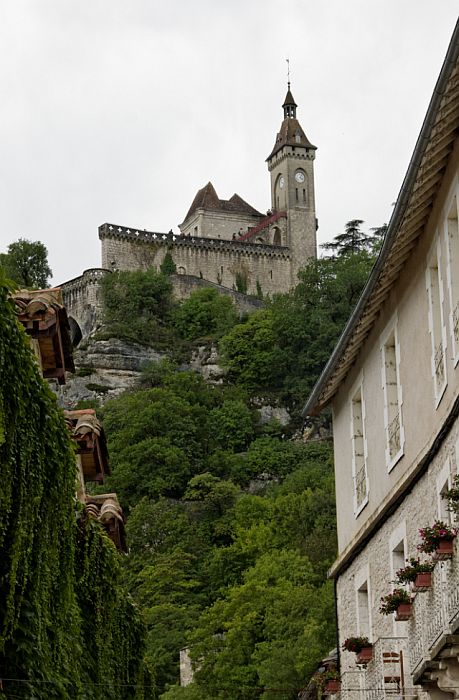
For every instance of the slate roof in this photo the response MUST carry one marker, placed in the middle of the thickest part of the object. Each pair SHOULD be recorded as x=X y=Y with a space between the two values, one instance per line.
x=207 y=198
x=290 y=127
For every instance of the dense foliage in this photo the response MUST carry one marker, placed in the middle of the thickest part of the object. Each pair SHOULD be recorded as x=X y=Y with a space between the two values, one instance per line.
x=203 y=549
x=284 y=347
x=67 y=628
x=26 y=262
x=231 y=524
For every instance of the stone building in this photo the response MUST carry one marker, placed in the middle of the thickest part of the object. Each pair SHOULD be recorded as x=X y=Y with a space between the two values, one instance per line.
x=225 y=242
x=393 y=385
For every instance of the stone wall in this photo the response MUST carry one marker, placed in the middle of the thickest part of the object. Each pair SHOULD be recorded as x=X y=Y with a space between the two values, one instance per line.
x=83 y=299
x=218 y=261
x=184 y=285
x=375 y=563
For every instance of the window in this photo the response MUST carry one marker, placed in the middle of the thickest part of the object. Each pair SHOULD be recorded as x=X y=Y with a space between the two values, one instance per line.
x=443 y=484
x=452 y=253
x=362 y=591
x=359 y=456
x=392 y=397
x=436 y=324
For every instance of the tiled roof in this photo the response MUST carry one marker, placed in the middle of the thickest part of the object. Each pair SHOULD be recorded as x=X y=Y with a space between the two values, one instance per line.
x=410 y=215
x=89 y=437
x=290 y=134
x=106 y=509
x=207 y=198
x=43 y=315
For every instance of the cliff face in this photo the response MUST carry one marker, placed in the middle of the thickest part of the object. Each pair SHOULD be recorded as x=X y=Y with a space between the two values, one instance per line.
x=107 y=368
x=104 y=369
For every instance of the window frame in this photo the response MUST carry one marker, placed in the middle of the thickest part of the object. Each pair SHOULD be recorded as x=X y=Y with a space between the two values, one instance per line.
x=358 y=389
x=390 y=331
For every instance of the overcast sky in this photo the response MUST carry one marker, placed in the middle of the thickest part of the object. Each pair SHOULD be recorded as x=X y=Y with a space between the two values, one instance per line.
x=120 y=110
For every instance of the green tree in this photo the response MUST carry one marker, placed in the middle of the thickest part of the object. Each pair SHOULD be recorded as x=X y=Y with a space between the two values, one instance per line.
x=168 y=266
x=26 y=262
x=206 y=313
x=137 y=305
x=250 y=353
x=352 y=241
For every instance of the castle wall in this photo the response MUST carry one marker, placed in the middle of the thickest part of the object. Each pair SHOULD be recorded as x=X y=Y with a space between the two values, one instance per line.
x=218 y=261
x=82 y=297
x=218 y=224
x=184 y=285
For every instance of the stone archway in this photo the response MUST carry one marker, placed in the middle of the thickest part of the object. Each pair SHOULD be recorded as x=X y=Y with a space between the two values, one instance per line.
x=75 y=332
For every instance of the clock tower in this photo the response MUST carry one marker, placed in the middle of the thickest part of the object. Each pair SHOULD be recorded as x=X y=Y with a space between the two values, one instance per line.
x=291 y=164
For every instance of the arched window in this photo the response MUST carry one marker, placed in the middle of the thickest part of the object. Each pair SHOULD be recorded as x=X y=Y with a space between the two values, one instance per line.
x=277 y=238
x=181 y=270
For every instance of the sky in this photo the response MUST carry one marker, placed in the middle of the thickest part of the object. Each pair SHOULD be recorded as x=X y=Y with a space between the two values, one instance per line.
x=120 y=110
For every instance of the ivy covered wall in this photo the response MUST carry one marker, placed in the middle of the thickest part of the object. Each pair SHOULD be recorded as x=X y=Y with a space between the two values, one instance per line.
x=67 y=626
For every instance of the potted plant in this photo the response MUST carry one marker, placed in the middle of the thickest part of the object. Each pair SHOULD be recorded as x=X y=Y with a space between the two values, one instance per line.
x=333 y=684
x=438 y=539
x=417 y=573
x=327 y=682
x=398 y=602
x=360 y=646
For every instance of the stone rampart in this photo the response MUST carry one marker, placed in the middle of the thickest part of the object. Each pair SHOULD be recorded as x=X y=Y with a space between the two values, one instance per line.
x=184 y=285
x=83 y=299
x=219 y=261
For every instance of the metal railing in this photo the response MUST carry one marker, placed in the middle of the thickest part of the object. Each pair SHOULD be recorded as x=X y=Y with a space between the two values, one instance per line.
x=435 y=613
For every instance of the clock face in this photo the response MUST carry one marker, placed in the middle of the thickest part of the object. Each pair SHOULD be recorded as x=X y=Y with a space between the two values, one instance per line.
x=299 y=176
x=281 y=182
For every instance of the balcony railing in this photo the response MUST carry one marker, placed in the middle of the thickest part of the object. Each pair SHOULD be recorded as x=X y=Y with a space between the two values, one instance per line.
x=361 y=485
x=456 y=323
x=439 y=363
x=387 y=675
x=394 y=435
x=435 y=613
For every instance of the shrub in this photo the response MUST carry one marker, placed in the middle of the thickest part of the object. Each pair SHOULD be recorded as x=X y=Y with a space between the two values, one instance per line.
x=432 y=536
x=391 y=601
x=206 y=313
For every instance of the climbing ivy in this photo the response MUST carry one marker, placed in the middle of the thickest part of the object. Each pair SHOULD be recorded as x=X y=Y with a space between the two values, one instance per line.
x=66 y=624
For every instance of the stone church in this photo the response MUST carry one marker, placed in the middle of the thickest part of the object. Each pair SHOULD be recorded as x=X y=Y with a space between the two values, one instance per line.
x=228 y=242
x=225 y=243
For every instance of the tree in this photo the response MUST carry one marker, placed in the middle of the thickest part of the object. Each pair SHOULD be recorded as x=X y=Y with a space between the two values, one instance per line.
x=168 y=266
x=352 y=241
x=206 y=313
x=26 y=262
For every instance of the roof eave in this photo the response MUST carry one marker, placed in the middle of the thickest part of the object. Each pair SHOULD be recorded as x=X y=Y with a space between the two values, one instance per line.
x=317 y=401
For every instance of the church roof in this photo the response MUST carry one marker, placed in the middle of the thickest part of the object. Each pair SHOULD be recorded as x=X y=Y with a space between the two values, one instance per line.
x=289 y=99
x=207 y=198
x=287 y=136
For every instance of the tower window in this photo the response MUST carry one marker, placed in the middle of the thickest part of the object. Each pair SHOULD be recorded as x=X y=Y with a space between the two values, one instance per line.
x=304 y=196
x=296 y=193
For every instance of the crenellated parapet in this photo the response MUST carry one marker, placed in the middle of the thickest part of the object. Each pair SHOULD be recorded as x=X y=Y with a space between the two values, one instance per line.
x=83 y=299
x=172 y=240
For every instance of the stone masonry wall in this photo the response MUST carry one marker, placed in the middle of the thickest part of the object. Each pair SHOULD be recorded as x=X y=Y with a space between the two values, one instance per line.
x=421 y=506
x=215 y=260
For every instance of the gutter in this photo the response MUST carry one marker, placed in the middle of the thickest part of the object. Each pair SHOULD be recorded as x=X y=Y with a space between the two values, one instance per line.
x=313 y=406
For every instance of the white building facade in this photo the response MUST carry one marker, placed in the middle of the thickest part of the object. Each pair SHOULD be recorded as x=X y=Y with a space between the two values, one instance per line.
x=393 y=385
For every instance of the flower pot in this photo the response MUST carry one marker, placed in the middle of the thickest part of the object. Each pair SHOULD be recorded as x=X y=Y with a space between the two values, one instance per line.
x=423 y=582
x=333 y=686
x=404 y=612
x=444 y=550
x=365 y=655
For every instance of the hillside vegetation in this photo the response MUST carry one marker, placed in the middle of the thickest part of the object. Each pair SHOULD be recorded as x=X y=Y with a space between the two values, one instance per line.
x=231 y=524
